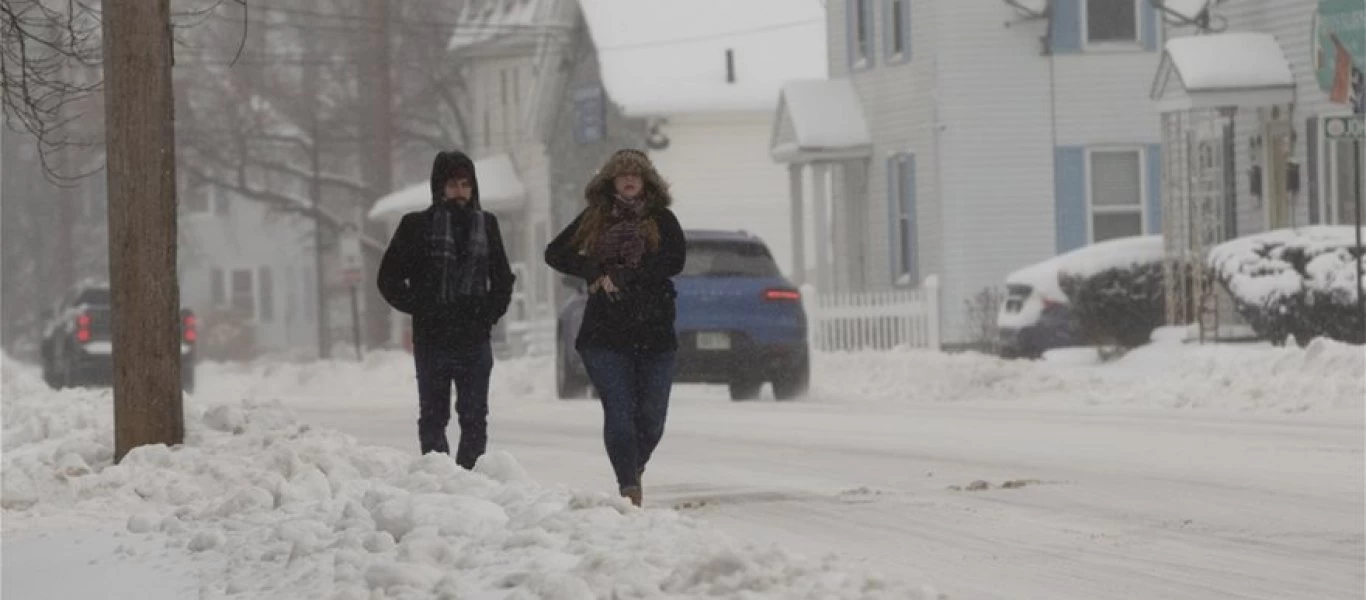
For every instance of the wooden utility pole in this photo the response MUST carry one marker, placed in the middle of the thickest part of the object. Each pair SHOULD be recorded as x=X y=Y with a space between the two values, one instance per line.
x=140 y=139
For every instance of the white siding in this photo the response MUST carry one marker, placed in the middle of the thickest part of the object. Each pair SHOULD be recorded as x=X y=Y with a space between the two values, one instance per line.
x=248 y=239
x=1290 y=21
x=899 y=103
x=722 y=177
x=997 y=151
x=1103 y=99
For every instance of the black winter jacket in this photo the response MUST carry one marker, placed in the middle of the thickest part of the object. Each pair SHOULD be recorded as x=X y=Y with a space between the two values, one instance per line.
x=409 y=276
x=642 y=316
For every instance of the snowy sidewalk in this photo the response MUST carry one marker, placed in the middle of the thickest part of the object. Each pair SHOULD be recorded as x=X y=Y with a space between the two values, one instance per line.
x=262 y=506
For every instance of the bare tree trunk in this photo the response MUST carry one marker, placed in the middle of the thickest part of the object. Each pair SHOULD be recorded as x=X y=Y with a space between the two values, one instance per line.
x=140 y=139
x=377 y=321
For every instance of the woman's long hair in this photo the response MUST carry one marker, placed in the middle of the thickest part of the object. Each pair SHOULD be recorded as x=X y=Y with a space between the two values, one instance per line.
x=601 y=196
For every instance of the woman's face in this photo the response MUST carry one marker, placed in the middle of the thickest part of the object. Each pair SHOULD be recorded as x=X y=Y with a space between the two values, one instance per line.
x=629 y=185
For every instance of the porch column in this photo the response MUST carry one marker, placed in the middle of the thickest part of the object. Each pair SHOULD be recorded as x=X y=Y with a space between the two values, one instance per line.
x=794 y=182
x=820 y=178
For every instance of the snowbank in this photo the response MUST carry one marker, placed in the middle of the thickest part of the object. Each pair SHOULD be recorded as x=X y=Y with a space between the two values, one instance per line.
x=1326 y=377
x=1265 y=268
x=277 y=509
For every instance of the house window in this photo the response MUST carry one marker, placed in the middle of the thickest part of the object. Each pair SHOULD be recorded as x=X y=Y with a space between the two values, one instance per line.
x=1111 y=21
x=243 y=295
x=901 y=215
x=267 y=292
x=860 y=28
x=1116 y=193
x=1339 y=166
x=898 y=19
x=218 y=293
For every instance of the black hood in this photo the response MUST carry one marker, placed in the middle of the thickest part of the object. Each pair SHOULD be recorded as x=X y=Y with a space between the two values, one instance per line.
x=447 y=165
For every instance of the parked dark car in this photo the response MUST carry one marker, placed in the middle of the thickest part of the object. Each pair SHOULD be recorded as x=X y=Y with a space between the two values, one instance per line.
x=77 y=346
x=740 y=322
x=1032 y=322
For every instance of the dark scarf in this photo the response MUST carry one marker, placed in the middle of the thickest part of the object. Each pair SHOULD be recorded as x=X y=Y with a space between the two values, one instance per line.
x=461 y=246
x=622 y=244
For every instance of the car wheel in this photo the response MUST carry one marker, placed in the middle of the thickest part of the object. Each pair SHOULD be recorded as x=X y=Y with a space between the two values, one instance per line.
x=745 y=389
x=568 y=384
x=794 y=383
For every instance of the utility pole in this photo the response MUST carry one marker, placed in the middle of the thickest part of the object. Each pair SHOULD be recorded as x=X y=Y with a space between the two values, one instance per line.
x=315 y=196
x=140 y=140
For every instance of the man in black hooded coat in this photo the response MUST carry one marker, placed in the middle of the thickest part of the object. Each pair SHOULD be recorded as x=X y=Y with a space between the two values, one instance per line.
x=446 y=266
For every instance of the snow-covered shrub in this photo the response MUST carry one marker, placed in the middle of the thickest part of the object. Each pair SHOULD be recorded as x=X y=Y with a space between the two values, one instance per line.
x=1294 y=282
x=1116 y=291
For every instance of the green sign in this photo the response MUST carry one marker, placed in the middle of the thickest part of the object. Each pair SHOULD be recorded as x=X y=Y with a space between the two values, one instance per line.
x=1340 y=50
x=1344 y=128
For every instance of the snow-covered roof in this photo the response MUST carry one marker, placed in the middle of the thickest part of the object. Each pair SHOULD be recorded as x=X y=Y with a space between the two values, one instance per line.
x=819 y=116
x=483 y=20
x=1226 y=69
x=500 y=188
x=662 y=57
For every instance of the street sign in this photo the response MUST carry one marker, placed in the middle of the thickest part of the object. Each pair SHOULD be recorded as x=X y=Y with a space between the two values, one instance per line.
x=1344 y=128
x=352 y=261
x=1338 y=49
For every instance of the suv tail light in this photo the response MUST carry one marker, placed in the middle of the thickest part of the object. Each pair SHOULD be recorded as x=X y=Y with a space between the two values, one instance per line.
x=782 y=295
x=83 y=328
x=190 y=331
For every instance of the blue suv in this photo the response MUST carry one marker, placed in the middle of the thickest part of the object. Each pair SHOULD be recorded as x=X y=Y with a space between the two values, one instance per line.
x=740 y=322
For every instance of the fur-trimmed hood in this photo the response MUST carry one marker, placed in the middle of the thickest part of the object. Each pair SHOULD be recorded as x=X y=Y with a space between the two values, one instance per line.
x=602 y=188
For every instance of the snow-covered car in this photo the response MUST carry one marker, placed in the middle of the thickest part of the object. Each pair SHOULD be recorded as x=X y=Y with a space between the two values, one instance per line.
x=1036 y=315
x=740 y=323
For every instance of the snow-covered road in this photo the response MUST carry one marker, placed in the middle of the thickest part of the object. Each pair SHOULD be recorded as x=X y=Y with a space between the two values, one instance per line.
x=1117 y=501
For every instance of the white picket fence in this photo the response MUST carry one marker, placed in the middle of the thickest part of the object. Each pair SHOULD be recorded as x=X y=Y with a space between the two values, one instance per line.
x=875 y=320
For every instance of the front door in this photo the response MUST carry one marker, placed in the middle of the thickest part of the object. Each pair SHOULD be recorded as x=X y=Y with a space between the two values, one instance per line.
x=1276 y=145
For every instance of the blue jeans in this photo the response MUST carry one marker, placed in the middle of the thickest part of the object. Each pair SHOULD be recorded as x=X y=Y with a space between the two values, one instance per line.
x=469 y=368
x=634 y=388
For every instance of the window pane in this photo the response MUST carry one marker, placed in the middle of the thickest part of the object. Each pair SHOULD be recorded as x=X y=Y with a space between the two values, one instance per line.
x=1108 y=226
x=267 y=294
x=243 y=299
x=1112 y=20
x=907 y=251
x=1345 y=174
x=898 y=27
x=728 y=259
x=218 y=295
x=1116 y=178
x=864 y=29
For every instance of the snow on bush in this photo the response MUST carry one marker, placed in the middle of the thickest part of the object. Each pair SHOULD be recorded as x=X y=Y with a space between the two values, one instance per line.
x=1294 y=282
x=297 y=512
x=1116 y=290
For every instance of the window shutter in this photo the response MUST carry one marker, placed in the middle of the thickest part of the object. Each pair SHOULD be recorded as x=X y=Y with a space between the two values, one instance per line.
x=850 y=33
x=1311 y=171
x=1154 y=173
x=1150 y=26
x=1069 y=180
x=908 y=207
x=1064 y=27
x=893 y=204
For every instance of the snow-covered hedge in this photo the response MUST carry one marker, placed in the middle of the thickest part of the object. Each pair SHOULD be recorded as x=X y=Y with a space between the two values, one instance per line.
x=1294 y=282
x=1115 y=289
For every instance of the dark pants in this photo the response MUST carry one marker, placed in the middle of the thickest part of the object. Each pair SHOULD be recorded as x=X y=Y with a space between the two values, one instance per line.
x=469 y=367
x=634 y=388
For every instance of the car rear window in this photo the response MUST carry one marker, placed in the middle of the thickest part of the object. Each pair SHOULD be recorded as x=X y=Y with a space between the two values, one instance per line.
x=729 y=259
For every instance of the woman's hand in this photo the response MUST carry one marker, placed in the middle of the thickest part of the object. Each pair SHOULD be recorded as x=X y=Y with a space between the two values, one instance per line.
x=606 y=285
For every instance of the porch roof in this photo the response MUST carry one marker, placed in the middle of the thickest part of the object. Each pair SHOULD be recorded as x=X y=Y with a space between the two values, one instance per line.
x=1221 y=70
x=500 y=189
x=819 y=119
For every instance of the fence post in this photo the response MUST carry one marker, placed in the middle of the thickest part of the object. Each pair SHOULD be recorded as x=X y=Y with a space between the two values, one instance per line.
x=931 y=286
